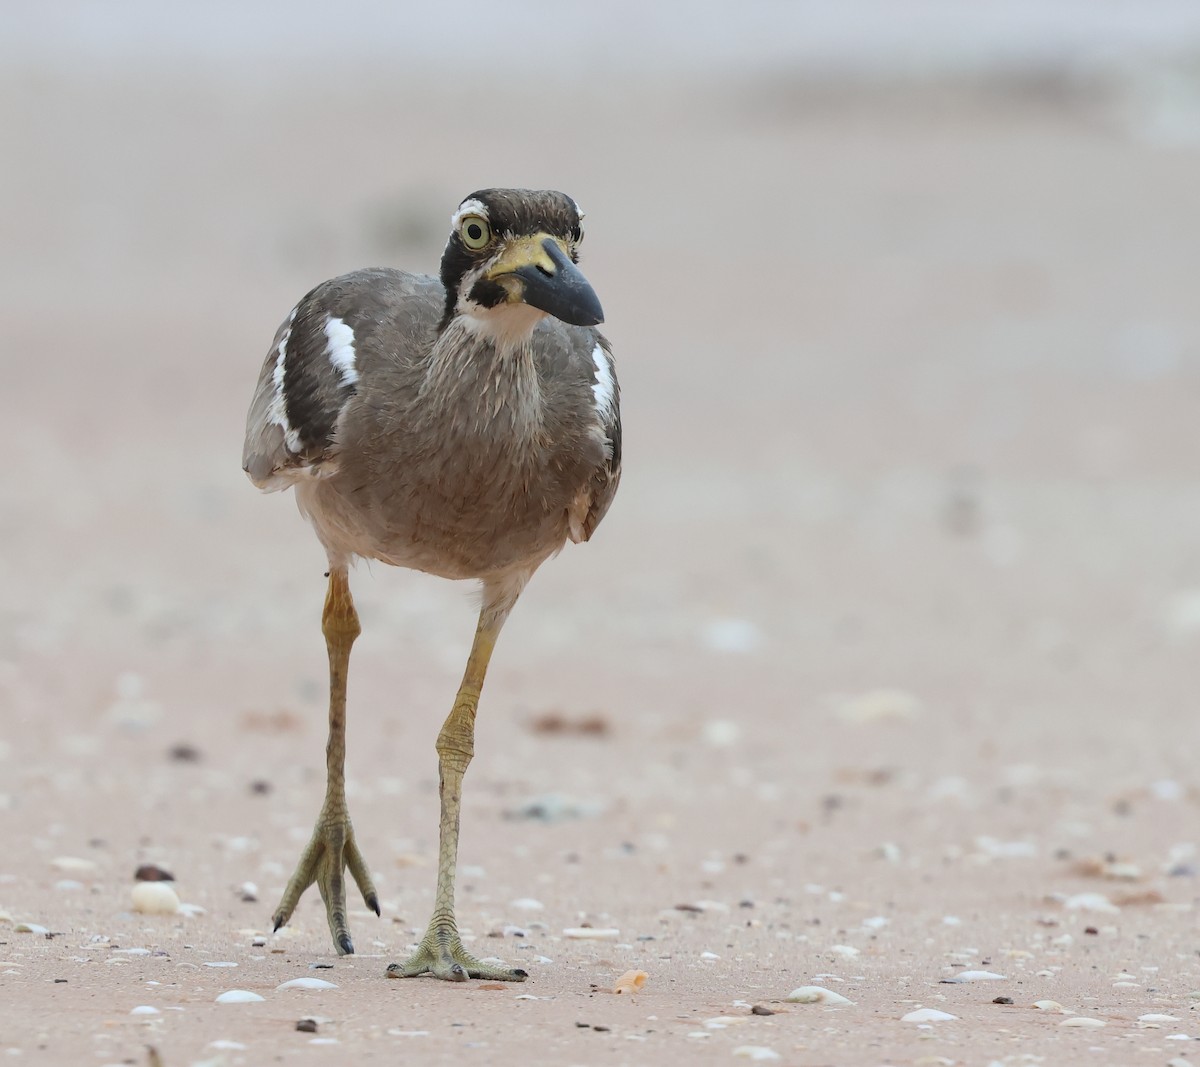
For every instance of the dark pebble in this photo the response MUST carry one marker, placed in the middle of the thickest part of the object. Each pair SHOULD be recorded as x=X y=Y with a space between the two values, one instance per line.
x=307 y=1026
x=152 y=872
x=761 y=1009
x=1002 y=1000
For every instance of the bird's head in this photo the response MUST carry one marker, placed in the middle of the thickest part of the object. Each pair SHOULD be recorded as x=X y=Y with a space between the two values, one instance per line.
x=511 y=260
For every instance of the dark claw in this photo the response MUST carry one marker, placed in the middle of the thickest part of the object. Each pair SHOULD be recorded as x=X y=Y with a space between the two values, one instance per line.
x=346 y=945
x=520 y=972
x=373 y=904
x=278 y=924
x=459 y=972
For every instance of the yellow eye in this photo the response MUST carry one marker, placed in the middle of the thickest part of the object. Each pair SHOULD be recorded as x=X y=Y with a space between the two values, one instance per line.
x=475 y=232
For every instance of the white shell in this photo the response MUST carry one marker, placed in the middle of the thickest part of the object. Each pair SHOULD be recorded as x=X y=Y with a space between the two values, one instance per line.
x=239 y=996
x=154 y=898
x=307 y=983
x=927 y=1015
x=815 y=994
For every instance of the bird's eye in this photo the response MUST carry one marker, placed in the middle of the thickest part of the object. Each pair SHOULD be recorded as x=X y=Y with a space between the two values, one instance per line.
x=577 y=235
x=475 y=232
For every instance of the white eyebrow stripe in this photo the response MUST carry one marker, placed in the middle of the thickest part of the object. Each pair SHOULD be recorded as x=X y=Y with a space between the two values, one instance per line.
x=341 y=349
x=468 y=207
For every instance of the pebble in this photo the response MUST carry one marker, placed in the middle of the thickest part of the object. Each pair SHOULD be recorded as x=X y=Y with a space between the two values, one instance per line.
x=849 y=951
x=219 y=963
x=222 y=1045
x=1097 y=902
x=30 y=928
x=591 y=933
x=154 y=898
x=975 y=976
x=145 y=1009
x=756 y=1052
x=527 y=904
x=815 y=994
x=721 y=733
x=248 y=892
x=554 y=807
x=152 y=872
x=306 y=983
x=1153 y=1020
x=927 y=1015
x=74 y=865
x=1083 y=1021
x=238 y=996
x=880 y=705
x=306 y=1026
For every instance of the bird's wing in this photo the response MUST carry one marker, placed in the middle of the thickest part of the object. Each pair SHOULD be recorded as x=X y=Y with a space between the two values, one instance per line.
x=316 y=366
x=580 y=361
x=607 y=394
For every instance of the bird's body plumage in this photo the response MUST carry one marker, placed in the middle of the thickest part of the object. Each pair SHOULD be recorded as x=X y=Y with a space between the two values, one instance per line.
x=447 y=453
x=467 y=426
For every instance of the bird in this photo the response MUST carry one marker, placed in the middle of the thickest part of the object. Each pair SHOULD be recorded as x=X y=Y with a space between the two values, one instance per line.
x=467 y=426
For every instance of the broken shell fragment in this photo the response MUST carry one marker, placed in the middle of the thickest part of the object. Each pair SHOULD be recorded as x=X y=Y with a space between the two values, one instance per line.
x=630 y=982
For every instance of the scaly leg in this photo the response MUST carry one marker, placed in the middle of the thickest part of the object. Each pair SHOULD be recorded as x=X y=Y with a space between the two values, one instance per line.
x=441 y=951
x=332 y=848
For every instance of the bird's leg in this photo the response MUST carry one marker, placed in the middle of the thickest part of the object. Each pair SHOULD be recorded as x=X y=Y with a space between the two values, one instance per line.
x=441 y=951
x=332 y=848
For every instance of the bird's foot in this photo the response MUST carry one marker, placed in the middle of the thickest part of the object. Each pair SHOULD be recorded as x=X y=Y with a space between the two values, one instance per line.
x=331 y=850
x=441 y=954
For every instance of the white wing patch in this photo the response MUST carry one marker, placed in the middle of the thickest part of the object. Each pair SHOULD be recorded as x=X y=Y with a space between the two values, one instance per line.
x=604 y=389
x=277 y=409
x=341 y=349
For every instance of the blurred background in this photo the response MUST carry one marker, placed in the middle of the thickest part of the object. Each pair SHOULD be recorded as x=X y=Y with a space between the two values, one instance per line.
x=904 y=302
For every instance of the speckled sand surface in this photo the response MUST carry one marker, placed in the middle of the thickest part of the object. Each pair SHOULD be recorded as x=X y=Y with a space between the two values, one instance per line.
x=890 y=645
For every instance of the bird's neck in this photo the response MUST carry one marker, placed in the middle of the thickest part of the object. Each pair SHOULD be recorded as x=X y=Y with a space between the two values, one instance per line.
x=481 y=380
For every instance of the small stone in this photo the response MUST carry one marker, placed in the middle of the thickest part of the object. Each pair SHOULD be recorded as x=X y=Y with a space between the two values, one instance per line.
x=74 y=865
x=761 y=1009
x=1002 y=1000
x=238 y=996
x=152 y=872
x=591 y=933
x=880 y=705
x=184 y=752
x=1083 y=1021
x=1097 y=902
x=306 y=1026
x=306 y=983
x=756 y=1052
x=219 y=963
x=248 y=892
x=154 y=898
x=145 y=1009
x=927 y=1015
x=527 y=904
x=222 y=1045
x=849 y=951
x=30 y=928
x=815 y=994
x=1155 y=1020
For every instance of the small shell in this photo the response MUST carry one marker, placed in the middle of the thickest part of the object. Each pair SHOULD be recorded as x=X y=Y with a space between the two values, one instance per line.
x=630 y=982
x=1049 y=1005
x=307 y=983
x=815 y=994
x=591 y=933
x=1083 y=1020
x=927 y=1015
x=155 y=898
x=238 y=996
x=975 y=976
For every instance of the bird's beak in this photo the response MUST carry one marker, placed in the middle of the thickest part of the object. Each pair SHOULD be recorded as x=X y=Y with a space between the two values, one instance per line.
x=537 y=271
